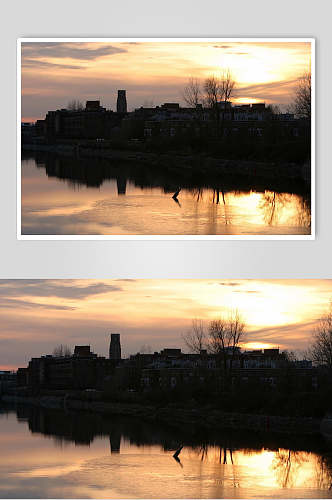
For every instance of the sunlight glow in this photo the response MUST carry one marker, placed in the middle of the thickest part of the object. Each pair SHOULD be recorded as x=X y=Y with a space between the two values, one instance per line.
x=245 y=100
x=257 y=346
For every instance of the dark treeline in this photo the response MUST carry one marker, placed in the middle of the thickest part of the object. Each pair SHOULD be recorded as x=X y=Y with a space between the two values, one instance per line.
x=292 y=396
x=276 y=146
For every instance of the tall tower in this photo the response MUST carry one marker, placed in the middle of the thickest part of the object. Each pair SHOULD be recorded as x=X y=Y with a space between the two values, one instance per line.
x=121 y=103
x=115 y=347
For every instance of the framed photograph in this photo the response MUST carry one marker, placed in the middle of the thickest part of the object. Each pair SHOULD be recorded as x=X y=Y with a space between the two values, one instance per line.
x=166 y=138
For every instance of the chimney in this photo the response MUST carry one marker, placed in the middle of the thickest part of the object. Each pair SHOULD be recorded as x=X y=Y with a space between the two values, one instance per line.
x=121 y=103
x=115 y=347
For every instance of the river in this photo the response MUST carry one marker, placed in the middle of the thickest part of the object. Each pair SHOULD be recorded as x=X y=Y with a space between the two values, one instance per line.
x=68 y=196
x=56 y=454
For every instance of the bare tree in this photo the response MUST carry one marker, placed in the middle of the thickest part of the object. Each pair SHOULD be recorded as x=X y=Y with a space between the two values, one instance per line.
x=195 y=337
x=227 y=85
x=212 y=98
x=225 y=336
x=192 y=93
x=212 y=92
x=320 y=351
x=75 y=105
x=219 y=90
x=61 y=351
x=302 y=101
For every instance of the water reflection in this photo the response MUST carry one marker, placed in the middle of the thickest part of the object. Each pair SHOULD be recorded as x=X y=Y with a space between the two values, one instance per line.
x=68 y=196
x=55 y=454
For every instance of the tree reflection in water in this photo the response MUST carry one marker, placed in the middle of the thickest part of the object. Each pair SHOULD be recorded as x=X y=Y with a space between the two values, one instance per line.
x=286 y=465
x=220 y=455
x=275 y=206
x=324 y=472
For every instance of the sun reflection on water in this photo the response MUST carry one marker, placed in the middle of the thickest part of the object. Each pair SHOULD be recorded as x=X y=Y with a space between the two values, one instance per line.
x=131 y=459
x=124 y=206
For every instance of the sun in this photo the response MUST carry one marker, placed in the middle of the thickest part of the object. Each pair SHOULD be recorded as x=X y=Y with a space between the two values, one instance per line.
x=254 y=71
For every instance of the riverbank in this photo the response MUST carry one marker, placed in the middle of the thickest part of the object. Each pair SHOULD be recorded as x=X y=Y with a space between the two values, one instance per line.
x=194 y=420
x=173 y=161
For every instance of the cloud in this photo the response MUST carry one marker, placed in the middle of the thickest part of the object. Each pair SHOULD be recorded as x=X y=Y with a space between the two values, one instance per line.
x=24 y=304
x=291 y=335
x=229 y=283
x=76 y=50
x=276 y=90
x=70 y=289
x=125 y=280
x=234 y=52
x=36 y=63
x=270 y=85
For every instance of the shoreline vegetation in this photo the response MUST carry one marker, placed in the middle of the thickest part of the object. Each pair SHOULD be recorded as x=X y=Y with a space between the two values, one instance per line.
x=192 y=420
x=174 y=161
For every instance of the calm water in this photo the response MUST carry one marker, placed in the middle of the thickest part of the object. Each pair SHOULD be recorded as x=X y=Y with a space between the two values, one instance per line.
x=90 y=197
x=52 y=454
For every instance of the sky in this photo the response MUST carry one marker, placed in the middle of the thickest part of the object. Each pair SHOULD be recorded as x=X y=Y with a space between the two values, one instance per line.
x=38 y=315
x=53 y=73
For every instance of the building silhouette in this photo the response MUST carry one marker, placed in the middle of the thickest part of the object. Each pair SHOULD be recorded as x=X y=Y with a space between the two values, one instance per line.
x=81 y=370
x=115 y=347
x=164 y=370
x=121 y=103
x=242 y=125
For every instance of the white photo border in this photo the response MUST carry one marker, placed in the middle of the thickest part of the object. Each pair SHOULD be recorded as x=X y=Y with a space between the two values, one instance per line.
x=175 y=237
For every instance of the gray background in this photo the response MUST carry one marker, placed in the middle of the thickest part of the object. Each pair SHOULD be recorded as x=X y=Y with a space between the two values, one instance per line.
x=165 y=259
